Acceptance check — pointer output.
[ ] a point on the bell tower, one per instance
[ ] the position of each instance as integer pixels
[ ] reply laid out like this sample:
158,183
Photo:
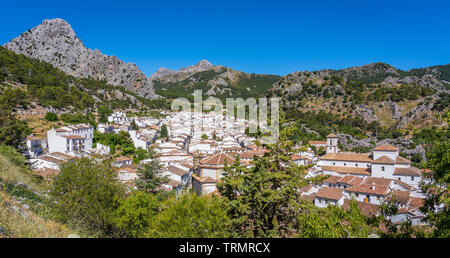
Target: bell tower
332,143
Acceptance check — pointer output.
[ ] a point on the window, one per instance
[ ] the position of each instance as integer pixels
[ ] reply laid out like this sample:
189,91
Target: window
356,164
357,195
345,164
378,198
368,165
399,178
334,163
382,168
412,178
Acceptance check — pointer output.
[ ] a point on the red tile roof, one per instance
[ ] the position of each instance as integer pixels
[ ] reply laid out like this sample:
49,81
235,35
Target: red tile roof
383,160
361,157
218,159
330,193
411,171
385,147
348,170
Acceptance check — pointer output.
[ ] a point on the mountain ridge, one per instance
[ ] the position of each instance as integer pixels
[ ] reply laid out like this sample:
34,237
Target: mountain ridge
54,41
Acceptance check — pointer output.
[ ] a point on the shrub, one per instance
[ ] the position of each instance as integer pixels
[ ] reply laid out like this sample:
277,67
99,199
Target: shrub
51,117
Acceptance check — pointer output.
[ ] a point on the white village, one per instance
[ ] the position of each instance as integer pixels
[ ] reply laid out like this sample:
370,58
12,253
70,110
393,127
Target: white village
194,157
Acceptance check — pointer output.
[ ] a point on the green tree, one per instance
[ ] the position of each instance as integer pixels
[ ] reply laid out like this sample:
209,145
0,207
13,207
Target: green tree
332,222
12,131
86,194
103,113
134,214
190,216
436,186
263,201
164,134
134,126
51,117
150,176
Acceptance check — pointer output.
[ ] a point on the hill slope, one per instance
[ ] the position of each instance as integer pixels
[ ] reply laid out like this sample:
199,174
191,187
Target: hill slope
217,81
375,92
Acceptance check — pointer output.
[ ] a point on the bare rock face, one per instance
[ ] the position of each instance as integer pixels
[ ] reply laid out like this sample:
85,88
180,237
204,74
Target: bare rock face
55,42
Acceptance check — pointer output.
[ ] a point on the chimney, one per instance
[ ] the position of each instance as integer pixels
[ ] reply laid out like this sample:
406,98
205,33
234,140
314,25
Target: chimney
373,186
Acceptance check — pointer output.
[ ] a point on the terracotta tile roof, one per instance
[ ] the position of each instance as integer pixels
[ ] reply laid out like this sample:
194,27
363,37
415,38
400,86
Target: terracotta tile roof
331,135
175,170
405,185
385,147
416,202
309,197
351,180
317,142
74,137
215,192
411,171
378,181
46,172
305,188
369,189
206,179
401,160
361,157
174,183
330,193
218,159
401,196
252,153
332,179
299,157
367,209
52,160
122,159
187,165
383,160
34,138
348,170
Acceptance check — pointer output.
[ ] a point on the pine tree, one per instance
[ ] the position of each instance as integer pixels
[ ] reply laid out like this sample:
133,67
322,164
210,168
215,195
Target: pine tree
150,176
164,134
263,201
134,126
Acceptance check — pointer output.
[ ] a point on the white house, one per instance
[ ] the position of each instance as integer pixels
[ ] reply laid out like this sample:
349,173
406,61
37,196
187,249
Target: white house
74,140
327,195
34,146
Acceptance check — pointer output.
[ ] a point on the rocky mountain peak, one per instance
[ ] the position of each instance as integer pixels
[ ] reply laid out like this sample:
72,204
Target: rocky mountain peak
203,65
55,42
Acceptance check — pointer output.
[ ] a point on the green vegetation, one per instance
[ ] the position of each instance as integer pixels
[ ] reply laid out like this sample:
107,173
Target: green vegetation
251,85
78,118
150,177
52,87
163,133
190,216
86,193
12,131
103,113
437,204
51,117
117,142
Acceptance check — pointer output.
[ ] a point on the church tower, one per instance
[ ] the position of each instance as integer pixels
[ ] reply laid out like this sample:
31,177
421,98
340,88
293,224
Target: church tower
332,143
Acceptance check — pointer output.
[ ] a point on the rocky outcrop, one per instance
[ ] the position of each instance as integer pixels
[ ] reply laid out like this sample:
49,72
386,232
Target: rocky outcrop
54,41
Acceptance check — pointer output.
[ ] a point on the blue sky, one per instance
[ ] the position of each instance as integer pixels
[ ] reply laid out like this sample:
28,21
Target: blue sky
274,37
